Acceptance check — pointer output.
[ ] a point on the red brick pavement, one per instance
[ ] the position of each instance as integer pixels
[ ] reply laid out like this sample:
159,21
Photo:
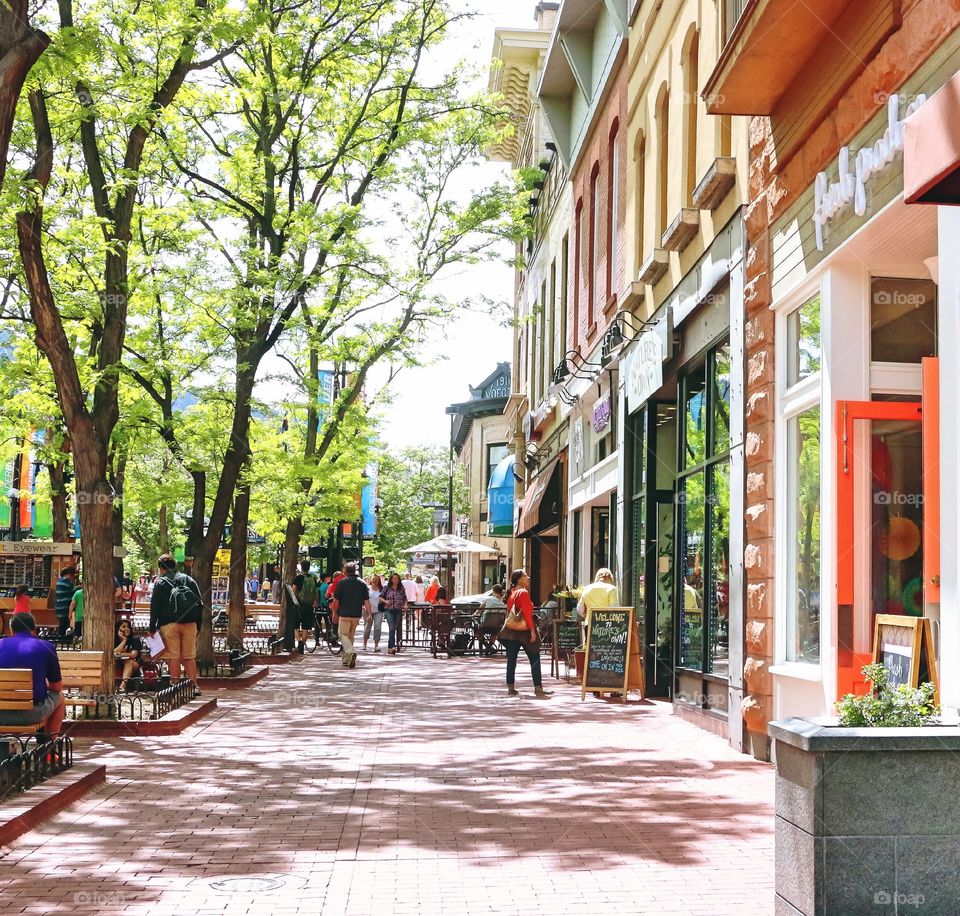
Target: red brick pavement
408,785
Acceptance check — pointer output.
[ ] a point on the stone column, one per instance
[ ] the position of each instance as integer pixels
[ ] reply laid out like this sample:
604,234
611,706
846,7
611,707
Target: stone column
758,448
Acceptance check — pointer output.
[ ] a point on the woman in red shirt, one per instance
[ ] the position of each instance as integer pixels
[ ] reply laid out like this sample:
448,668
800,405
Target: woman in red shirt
518,599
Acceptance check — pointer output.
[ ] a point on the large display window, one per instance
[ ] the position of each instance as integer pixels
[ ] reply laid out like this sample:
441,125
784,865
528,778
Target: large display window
702,555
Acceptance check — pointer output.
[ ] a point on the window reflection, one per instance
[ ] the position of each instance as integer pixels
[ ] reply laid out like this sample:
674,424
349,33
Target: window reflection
803,341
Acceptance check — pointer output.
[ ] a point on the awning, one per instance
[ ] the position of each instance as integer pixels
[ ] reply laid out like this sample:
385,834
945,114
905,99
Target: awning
537,511
931,149
500,498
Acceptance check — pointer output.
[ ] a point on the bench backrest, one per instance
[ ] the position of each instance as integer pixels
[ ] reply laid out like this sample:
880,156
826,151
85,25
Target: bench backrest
81,669
16,688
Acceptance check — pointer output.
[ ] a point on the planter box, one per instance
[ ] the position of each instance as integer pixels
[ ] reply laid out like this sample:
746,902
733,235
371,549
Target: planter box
867,819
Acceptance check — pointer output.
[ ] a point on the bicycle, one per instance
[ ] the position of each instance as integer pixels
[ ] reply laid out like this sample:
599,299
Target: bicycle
323,631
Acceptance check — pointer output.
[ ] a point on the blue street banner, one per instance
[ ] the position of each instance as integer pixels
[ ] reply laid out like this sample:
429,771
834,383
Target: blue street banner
368,502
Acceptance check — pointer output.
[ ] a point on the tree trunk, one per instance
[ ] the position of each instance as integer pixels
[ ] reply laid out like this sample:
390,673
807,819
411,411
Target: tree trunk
164,525
291,550
58,501
237,600
20,48
116,481
236,456
197,519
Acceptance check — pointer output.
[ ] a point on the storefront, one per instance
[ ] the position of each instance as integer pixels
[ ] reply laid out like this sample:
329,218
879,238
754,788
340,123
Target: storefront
541,515
594,462
683,485
859,325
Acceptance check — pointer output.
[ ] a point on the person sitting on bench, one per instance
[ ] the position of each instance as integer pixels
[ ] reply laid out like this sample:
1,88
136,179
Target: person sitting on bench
24,649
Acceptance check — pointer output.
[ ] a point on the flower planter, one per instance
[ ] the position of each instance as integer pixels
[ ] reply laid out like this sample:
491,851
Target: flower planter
867,819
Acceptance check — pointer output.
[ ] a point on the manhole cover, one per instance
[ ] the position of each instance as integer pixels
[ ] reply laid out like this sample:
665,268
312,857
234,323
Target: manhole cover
247,885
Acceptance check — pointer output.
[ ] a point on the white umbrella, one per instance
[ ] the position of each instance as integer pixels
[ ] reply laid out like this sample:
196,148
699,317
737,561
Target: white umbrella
450,543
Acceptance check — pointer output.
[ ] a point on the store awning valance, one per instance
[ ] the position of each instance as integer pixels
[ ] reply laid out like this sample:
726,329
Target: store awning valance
540,507
931,149
500,498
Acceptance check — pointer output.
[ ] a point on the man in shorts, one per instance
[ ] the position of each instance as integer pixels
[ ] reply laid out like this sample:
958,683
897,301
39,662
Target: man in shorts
176,608
24,649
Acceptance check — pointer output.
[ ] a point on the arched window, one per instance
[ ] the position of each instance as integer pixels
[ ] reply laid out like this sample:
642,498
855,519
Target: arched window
613,208
663,160
640,171
594,240
691,111
577,254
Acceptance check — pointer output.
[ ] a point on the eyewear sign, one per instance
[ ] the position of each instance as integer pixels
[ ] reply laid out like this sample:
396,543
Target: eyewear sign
602,413
643,369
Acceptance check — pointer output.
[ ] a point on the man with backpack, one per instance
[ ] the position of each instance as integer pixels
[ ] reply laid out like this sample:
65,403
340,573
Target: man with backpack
305,588
177,609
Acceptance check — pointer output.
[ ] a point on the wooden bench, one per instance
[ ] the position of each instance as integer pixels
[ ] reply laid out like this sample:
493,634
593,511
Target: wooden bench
84,671
16,694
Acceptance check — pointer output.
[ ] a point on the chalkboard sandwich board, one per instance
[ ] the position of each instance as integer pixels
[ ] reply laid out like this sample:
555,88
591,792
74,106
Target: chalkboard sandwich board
567,638
612,663
904,646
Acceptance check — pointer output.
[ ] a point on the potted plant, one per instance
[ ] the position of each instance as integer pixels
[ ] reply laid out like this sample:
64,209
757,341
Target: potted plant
867,808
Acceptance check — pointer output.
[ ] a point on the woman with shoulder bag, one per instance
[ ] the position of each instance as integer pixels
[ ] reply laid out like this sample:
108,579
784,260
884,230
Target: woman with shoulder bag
520,632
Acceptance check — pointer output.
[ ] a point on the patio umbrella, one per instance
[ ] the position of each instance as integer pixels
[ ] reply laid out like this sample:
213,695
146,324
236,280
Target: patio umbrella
449,544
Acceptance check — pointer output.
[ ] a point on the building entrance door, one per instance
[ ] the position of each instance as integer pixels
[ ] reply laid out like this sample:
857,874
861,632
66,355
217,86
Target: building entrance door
888,544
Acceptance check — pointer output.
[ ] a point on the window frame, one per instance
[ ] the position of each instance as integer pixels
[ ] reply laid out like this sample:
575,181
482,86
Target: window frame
792,401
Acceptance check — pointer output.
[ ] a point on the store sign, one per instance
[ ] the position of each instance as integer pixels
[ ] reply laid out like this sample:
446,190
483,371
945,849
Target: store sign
36,548
602,414
643,369
831,198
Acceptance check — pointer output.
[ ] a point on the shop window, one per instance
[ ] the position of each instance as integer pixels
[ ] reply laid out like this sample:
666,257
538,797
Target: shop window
803,341
903,320
803,551
695,418
495,454
800,537
703,496
576,543
600,546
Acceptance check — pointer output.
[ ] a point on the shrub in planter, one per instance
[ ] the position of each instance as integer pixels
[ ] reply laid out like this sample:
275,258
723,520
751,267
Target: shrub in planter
885,706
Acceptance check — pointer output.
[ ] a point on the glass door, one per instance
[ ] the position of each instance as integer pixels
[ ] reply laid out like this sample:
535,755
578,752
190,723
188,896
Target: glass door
887,520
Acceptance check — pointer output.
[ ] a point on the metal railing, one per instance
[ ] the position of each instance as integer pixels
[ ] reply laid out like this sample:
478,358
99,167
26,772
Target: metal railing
23,765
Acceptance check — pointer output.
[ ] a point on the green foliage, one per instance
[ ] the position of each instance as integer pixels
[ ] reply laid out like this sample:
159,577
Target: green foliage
408,481
902,706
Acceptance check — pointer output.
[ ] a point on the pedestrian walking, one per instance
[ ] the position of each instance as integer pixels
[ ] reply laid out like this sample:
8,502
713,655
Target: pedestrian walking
66,586
395,598
351,600
520,632
176,608
76,612
421,590
374,619
305,588
410,588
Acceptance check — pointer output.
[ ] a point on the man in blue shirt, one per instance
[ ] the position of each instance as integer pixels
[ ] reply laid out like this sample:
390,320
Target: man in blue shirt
25,650
66,586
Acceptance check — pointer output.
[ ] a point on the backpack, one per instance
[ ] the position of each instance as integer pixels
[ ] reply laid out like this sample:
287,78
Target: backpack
308,591
184,603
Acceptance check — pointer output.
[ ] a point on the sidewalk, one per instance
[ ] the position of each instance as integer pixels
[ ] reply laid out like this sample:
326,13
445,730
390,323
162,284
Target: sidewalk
409,785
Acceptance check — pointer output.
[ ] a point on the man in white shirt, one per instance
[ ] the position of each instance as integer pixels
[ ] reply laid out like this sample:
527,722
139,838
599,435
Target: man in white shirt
410,587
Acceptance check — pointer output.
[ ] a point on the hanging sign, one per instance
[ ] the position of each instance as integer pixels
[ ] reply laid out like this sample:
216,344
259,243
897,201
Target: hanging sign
602,414
832,197
643,369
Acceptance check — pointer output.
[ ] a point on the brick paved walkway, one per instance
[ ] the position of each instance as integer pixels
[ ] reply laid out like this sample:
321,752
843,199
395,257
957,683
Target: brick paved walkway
409,785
